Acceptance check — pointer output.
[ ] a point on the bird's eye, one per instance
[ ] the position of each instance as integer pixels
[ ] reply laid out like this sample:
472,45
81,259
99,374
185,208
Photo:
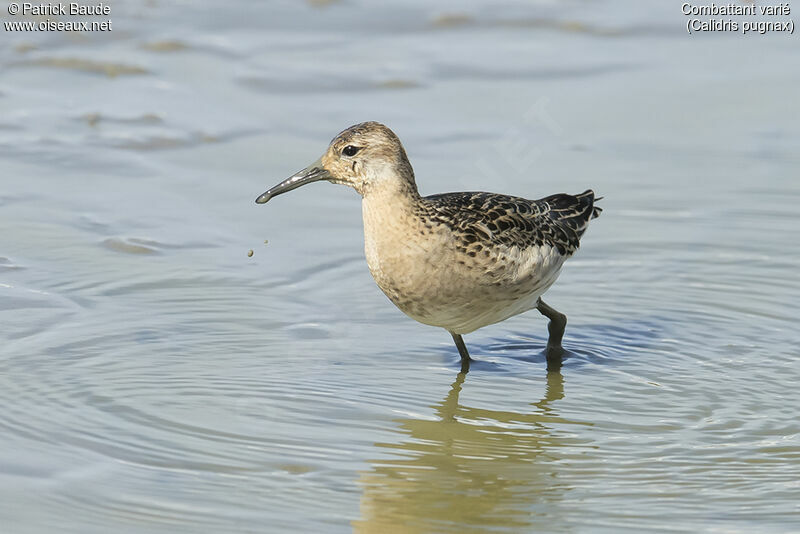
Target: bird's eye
350,150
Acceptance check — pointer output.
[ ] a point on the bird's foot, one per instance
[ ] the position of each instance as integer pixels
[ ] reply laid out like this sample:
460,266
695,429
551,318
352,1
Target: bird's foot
555,328
462,350
554,355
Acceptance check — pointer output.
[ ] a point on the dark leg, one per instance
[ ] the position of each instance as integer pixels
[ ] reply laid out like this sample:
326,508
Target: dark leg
558,322
462,350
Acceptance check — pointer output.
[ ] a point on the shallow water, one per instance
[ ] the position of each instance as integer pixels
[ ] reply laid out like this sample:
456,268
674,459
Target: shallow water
154,378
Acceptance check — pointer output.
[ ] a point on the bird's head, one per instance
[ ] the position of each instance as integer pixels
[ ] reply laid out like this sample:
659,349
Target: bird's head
365,156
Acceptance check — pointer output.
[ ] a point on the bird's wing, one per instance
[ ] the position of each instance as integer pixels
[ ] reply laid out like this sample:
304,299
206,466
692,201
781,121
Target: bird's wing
557,220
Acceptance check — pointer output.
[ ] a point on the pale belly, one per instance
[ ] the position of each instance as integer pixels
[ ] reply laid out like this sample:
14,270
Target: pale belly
460,303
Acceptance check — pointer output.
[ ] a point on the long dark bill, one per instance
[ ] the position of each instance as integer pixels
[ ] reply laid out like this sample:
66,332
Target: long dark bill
313,173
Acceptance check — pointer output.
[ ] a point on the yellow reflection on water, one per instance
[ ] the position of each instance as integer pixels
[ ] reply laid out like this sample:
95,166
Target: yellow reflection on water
469,469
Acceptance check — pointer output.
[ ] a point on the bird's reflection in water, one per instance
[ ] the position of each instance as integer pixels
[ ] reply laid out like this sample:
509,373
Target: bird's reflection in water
469,469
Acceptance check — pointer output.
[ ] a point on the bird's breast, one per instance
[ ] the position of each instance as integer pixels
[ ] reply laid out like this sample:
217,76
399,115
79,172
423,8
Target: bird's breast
402,250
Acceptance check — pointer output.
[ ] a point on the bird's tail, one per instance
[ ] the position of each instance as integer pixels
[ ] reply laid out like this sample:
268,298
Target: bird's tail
588,195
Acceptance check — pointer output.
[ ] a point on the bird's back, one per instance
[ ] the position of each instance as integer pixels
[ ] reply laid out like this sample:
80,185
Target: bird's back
476,217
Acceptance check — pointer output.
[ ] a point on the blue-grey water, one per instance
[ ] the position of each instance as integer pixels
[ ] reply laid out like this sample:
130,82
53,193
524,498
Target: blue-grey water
154,378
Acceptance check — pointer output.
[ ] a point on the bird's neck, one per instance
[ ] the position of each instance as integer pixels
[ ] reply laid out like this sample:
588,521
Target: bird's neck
391,189
390,201
390,209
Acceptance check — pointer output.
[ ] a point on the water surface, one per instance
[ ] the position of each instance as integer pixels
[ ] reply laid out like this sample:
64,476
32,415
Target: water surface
154,378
